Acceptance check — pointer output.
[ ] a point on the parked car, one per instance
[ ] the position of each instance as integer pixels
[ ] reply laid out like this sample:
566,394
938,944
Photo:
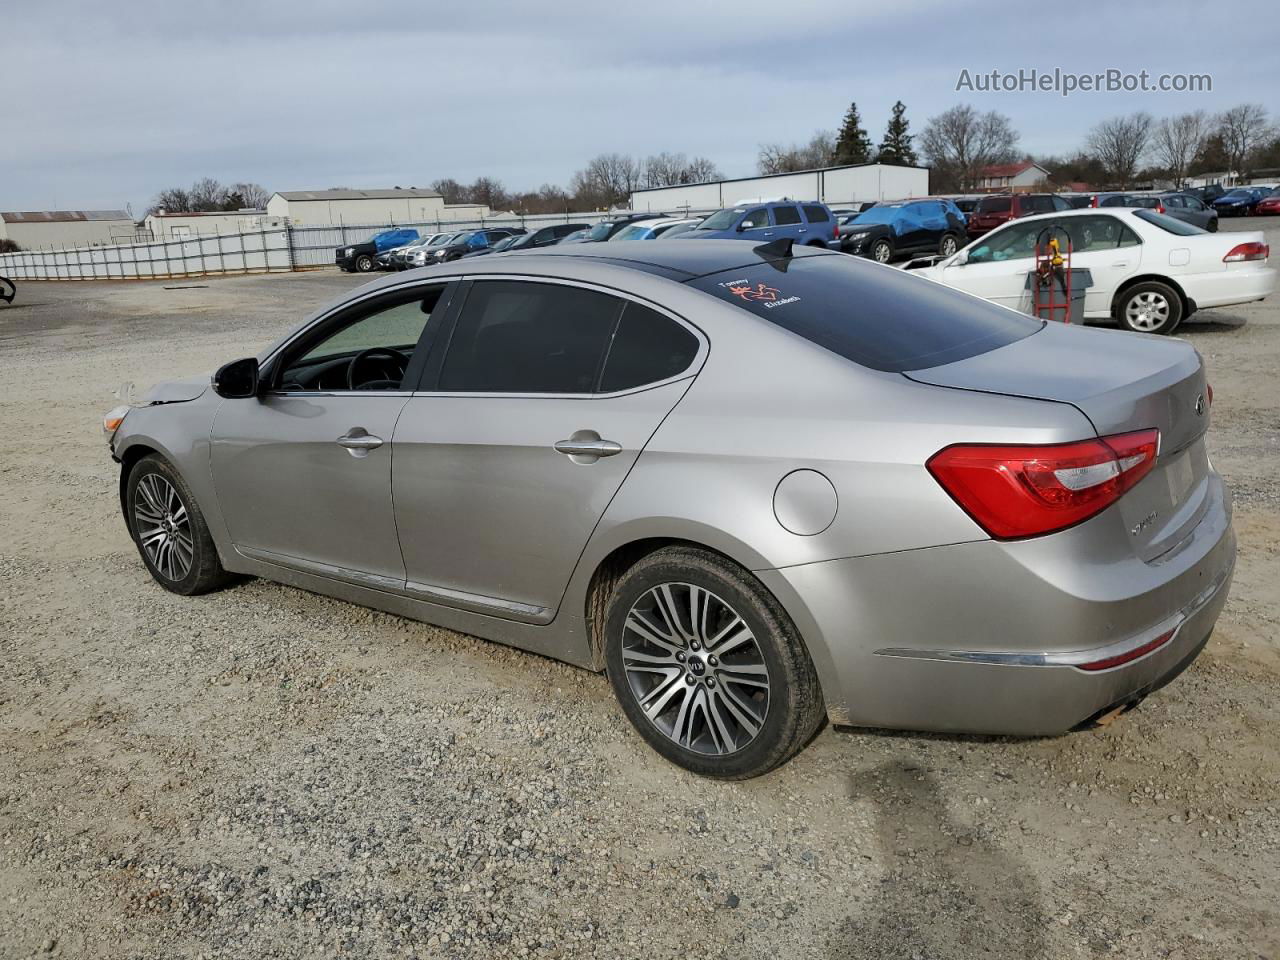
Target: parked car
925,512
1077,201
578,236
993,211
1208,194
397,258
965,203
1177,204
362,257
808,223
468,242
681,228
1149,271
422,255
652,229
504,244
889,230
1241,202
605,229
1269,206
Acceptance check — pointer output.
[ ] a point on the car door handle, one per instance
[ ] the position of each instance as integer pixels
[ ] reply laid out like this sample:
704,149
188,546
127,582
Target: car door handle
1121,263
359,442
588,448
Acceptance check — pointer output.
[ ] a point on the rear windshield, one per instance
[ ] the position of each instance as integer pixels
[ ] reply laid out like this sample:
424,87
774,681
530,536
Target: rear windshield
995,204
1169,224
880,318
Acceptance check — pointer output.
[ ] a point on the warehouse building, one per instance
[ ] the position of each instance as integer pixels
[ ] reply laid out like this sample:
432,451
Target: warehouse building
163,225
38,229
309,208
835,186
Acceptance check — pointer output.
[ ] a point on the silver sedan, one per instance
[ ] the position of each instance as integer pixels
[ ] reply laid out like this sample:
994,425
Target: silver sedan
758,487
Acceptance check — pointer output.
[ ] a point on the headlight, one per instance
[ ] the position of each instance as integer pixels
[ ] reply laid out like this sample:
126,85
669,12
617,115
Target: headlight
111,422
349,251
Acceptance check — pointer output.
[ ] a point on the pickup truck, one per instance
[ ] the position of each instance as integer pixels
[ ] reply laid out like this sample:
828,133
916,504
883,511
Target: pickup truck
362,257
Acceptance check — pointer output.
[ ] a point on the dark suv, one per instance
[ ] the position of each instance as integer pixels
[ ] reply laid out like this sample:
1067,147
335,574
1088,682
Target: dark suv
887,230
995,211
807,222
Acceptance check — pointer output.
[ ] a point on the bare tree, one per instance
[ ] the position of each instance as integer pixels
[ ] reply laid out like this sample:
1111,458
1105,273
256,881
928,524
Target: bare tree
820,151
1244,130
959,142
608,180
450,189
489,192
252,195
207,194
669,169
1120,143
1178,141
172,200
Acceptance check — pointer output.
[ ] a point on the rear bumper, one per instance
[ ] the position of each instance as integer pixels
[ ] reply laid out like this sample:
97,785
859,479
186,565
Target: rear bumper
1225,287
981,637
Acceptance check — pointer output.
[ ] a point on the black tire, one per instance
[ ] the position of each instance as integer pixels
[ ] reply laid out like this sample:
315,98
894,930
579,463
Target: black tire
364,263
1213,225
204,571
1129,308
794,709
881,251
948,245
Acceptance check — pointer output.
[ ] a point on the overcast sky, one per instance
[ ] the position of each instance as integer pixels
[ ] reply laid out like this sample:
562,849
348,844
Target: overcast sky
106,103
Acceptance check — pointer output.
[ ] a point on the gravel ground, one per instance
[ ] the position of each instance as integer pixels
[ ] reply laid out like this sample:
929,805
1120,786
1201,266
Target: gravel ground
266,773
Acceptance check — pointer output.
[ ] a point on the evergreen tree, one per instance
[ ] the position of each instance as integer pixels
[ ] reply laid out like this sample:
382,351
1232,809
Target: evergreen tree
853,145
896,145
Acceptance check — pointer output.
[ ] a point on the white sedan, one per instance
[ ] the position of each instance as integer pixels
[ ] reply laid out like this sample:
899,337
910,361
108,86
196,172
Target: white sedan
1149,271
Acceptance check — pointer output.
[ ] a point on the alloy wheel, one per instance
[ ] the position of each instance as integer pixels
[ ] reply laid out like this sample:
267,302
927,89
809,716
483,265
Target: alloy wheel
948,246
881,252
163,526
696,669
1147,311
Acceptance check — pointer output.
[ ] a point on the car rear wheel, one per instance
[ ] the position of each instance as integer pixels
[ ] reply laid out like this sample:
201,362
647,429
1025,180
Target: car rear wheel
948,246
169,529
1150,307
708,667
882,251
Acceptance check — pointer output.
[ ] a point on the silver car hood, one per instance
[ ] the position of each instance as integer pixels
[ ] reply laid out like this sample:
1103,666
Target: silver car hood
173,391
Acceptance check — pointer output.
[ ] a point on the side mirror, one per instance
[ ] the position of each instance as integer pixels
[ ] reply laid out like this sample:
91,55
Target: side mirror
959,260
744,225
237,380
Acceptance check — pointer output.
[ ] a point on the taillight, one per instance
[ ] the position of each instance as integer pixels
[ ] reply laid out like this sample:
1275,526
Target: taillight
1208,391
1093,202
835,231
1159,207
1021,491
1247,251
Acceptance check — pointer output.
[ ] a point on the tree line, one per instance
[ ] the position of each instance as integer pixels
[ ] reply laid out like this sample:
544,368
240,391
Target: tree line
956,144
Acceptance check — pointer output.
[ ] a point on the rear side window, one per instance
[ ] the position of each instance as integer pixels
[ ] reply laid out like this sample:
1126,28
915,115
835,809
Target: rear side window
995,205
519,337
816,214
785,216
1168,224
883,319
1036,205
647,347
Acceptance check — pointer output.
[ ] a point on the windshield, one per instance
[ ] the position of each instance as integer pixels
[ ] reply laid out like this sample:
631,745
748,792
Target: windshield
884,213
637,231
723,219
600,231
1168,224
441,239
1239,195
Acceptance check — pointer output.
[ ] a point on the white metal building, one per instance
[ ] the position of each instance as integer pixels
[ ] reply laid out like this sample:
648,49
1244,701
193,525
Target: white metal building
163,225
399,205
35,229
832,185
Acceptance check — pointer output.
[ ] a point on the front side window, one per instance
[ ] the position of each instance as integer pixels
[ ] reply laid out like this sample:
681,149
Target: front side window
516,336
785,216
1014,242
754,220
368,351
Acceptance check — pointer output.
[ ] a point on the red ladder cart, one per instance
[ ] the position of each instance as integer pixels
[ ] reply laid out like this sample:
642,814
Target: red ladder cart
1051,286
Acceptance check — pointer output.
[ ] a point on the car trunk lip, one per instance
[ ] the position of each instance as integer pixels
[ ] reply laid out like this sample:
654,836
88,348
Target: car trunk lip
1121,383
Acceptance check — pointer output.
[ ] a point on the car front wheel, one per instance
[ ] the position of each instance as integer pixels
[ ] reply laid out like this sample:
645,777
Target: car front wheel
364,263
1150,307
708,667
169,530
882,251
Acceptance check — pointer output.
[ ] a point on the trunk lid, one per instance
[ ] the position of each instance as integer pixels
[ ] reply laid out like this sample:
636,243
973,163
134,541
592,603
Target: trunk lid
1122,383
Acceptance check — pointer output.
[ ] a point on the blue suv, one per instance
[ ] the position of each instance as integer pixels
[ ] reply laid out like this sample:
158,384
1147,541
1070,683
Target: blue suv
811,224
